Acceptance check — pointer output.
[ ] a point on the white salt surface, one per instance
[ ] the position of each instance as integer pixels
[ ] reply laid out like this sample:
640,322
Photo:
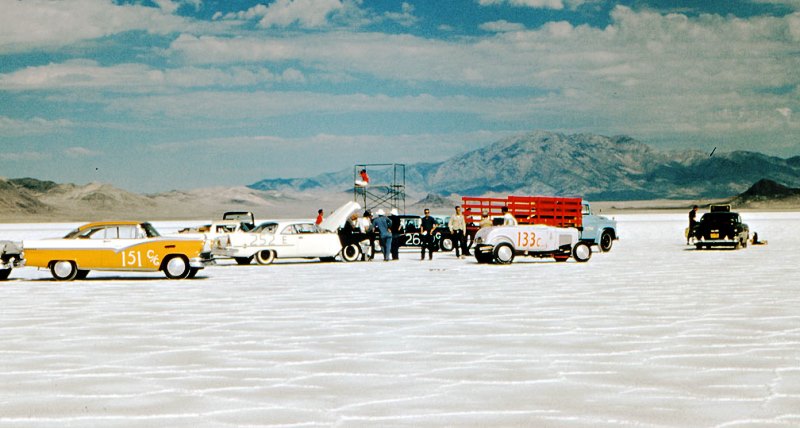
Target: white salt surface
653,333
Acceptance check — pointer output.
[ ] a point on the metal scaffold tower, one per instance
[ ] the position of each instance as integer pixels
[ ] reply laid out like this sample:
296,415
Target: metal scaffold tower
385,187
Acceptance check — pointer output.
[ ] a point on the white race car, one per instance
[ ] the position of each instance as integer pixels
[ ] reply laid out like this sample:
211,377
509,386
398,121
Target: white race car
286,239
500,244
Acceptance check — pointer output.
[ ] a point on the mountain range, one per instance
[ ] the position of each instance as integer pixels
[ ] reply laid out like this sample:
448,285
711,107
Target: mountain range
592,166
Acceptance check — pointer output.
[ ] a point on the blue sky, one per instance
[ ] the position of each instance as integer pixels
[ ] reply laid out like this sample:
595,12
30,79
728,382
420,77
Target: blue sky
180,94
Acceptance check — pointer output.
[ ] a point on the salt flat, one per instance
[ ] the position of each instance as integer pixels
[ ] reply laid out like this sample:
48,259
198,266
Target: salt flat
653,333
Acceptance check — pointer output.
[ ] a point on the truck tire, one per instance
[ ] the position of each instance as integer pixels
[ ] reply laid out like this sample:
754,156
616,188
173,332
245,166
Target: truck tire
581,252
503,253
606,241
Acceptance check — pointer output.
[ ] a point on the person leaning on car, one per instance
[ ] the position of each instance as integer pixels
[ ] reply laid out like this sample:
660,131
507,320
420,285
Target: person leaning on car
426,228
458,230
383,225
692,224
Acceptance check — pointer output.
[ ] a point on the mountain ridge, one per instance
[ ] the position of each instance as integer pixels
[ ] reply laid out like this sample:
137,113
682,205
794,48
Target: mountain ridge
592,166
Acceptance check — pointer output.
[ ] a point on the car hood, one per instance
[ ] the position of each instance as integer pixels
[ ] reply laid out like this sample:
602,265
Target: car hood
337,218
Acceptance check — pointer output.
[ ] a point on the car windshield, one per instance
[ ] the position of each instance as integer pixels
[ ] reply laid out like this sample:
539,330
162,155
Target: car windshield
720,218
266,228
150,230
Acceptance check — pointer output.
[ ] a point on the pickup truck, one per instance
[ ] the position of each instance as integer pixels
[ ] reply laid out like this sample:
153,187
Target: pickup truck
545,210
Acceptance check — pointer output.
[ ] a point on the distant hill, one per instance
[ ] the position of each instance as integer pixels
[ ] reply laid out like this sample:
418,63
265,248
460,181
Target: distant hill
592,166
767,193
29,199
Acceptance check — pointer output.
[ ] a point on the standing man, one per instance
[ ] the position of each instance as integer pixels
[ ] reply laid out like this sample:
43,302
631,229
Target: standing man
486,221
365,224
383,227
458,230
320,213
426,228
394,217
508,219
692,224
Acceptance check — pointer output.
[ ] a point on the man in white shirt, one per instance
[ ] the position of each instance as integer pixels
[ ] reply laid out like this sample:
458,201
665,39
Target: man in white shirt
508,219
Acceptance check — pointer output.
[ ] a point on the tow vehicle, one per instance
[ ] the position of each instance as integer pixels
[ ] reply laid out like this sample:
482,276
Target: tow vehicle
501,244
545,210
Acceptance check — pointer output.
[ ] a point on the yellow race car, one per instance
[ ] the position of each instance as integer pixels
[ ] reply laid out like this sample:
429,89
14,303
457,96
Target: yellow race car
117,246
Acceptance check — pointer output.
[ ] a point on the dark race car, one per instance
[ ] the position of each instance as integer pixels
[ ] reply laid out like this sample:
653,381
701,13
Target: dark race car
721,228
410,236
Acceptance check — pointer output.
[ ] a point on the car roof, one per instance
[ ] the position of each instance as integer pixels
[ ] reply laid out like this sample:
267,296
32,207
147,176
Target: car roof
110,223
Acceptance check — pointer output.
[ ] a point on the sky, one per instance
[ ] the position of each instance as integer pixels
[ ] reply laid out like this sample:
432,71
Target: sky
155,95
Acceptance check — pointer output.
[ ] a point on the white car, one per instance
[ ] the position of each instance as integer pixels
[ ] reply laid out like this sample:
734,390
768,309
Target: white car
286,239
500,244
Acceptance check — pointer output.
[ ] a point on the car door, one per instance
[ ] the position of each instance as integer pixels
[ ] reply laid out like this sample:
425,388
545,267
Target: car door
306,240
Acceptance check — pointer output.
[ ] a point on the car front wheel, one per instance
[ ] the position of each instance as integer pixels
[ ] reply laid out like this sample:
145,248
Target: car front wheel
504,253
177,267
447,244
582,252
64,270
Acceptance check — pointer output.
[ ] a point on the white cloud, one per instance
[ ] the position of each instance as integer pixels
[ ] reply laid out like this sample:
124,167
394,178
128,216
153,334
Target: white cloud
501,26
538,4
646,71
80,152
24,156
305,13
85,74
10,127
50,24
405,17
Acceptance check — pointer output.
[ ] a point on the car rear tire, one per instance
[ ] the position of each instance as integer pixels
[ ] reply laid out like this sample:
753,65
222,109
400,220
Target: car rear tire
265,257
606,241
503,253
582,252
243,260
4,274
351,253
63,270
177,267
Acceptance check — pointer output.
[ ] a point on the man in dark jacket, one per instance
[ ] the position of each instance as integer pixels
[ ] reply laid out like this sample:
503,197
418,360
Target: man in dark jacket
382,226
427,226
394,217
